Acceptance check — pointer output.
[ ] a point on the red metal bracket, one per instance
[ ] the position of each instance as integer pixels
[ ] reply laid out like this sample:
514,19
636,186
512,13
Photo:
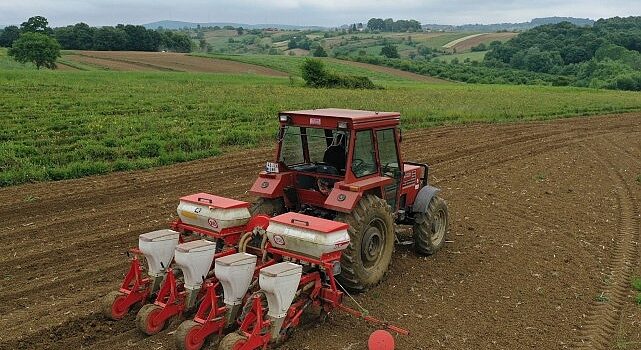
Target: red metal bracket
134,287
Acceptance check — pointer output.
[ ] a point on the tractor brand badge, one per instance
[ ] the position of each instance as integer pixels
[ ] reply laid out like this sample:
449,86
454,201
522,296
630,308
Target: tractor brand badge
278,239
314,121
197,210
341,197
341,244
265,184
213,223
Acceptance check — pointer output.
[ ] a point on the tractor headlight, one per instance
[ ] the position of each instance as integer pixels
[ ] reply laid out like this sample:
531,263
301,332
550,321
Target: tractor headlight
283,118
342,125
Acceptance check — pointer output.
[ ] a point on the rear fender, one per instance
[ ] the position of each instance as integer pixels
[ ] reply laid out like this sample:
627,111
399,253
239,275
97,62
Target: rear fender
270,185
342,200
423,198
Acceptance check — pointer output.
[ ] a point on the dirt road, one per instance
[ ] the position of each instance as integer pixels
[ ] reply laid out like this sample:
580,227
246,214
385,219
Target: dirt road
543,242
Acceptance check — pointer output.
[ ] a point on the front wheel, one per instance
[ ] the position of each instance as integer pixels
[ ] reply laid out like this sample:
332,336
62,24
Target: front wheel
430,227
267,206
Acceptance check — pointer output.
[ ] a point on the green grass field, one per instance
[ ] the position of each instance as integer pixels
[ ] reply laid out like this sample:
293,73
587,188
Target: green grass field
59,125
473,56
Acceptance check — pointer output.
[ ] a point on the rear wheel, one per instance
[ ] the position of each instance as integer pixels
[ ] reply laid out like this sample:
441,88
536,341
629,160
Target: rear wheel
430,227
112,306
371,231
232,341
147,321
267,206
185,336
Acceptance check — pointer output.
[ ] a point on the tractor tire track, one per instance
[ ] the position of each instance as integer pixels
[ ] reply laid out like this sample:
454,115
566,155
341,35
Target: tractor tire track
604,316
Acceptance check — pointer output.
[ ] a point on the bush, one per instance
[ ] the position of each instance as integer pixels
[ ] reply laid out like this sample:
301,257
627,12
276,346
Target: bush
320,52
315,75
390,51
479,47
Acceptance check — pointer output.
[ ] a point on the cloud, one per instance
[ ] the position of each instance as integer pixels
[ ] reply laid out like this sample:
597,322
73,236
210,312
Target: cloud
309,12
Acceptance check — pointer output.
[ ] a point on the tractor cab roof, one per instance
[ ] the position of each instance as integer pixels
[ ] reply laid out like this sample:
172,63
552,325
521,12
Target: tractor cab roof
331,117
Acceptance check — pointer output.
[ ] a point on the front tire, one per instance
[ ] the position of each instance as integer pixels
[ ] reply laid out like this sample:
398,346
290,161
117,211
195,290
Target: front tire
430,227
267,206
371,231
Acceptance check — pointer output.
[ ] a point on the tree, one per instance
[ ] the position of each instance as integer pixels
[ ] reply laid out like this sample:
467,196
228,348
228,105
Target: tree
314,73
240,30
109,39
424,51
38,48
77,37
390,51
9,35
37,24
292,44
319,52
376,24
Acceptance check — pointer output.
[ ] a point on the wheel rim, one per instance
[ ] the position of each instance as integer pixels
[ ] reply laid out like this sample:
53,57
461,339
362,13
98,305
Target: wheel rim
438,226
373,243
154,325
191,339
118,310
239,344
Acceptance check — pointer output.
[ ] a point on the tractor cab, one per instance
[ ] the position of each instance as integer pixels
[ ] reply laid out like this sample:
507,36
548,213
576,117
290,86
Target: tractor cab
330,158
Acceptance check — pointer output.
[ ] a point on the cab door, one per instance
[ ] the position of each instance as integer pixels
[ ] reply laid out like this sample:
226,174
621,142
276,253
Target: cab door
389,163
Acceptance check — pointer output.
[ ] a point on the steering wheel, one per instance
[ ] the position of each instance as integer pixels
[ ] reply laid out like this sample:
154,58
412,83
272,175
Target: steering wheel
357,165
391,168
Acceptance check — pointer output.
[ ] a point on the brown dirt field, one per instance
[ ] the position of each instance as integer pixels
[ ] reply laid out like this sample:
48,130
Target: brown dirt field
395,72
109,64
544,232
168,61
467,45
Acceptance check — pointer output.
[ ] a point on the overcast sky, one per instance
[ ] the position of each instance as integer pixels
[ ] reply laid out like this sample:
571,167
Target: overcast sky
307,12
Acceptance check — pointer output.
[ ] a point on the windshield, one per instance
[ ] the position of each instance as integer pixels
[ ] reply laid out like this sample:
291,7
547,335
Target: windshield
324,146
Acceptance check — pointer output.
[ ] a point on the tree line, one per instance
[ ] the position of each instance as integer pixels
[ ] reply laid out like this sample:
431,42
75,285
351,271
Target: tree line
81,36
605,55
389,25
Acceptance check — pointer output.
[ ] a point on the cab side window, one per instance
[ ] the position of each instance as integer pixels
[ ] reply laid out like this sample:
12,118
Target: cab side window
387,153
364,159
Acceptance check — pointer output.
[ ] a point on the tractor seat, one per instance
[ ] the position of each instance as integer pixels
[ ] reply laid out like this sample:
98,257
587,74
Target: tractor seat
335,156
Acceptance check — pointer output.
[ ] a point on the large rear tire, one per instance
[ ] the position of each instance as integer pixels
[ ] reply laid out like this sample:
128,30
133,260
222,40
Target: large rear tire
430,227
371,231
232,341
267,206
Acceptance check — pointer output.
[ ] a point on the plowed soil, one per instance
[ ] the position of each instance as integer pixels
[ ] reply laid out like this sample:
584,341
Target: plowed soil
166,61
467,44
542,244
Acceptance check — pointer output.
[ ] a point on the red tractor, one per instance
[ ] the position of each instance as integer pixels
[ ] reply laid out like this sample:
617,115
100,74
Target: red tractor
346,165
324,222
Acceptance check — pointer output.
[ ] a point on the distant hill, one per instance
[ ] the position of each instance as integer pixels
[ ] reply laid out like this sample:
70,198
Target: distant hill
509,26
180,25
